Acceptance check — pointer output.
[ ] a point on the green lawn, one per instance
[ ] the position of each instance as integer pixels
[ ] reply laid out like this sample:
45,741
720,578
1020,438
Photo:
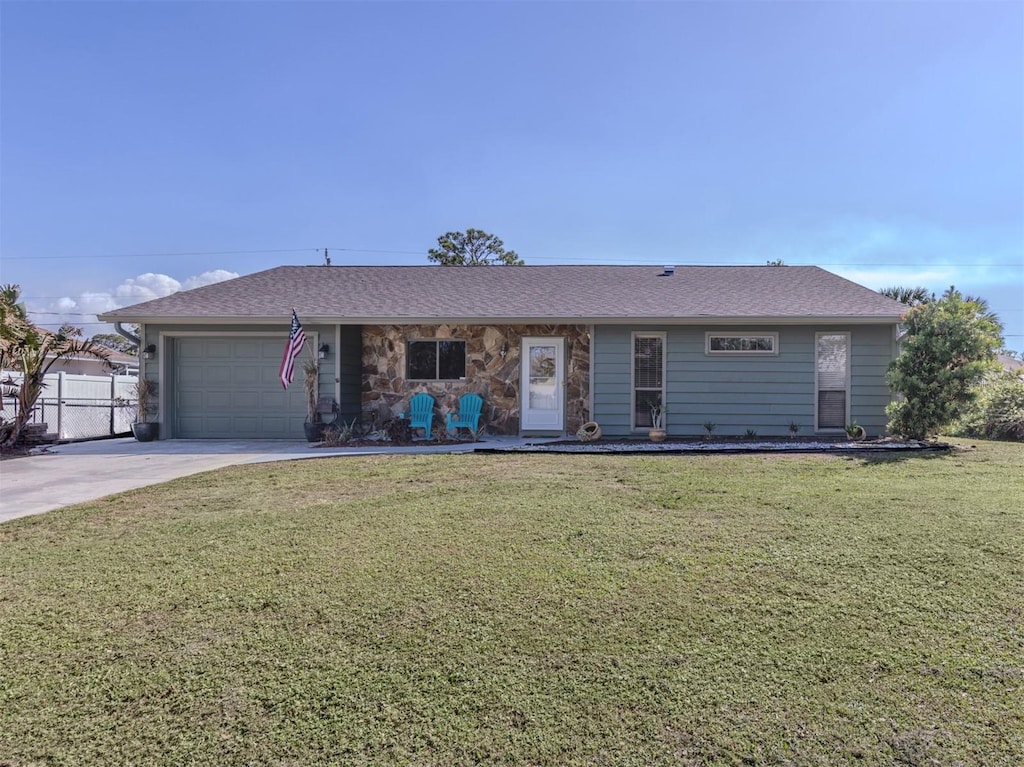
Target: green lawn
526,610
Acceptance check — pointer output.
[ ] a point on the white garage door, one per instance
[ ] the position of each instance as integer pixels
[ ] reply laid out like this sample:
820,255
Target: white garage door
228,388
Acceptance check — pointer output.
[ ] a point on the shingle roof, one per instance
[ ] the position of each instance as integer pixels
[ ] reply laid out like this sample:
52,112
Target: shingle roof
399,294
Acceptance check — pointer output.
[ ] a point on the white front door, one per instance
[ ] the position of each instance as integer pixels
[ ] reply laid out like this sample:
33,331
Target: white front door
543,385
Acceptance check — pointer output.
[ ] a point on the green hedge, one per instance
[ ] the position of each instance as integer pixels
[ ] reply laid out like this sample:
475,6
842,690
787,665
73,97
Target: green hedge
998,411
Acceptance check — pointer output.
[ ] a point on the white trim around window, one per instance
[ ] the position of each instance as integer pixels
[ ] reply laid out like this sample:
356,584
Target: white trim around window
832,379
755,343
456,365
652,386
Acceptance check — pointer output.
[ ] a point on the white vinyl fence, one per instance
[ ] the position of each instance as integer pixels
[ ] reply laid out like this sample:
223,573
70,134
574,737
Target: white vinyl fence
77,406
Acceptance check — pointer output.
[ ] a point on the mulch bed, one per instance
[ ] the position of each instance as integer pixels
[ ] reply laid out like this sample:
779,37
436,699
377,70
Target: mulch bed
378,443
19,451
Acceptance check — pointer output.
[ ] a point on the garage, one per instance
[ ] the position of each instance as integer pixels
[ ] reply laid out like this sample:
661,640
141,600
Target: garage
227,387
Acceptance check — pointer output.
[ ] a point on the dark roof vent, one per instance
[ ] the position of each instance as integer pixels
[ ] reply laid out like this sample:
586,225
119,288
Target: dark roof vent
669,271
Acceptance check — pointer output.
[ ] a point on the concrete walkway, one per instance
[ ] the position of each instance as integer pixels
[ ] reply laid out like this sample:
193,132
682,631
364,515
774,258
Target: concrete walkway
84,471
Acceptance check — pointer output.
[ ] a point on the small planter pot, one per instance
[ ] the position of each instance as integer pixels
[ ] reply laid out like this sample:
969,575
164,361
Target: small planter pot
145,432
314,431
657,435
589,432
857,434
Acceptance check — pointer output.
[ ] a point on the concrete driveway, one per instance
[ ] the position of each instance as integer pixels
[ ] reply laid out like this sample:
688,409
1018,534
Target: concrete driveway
84,471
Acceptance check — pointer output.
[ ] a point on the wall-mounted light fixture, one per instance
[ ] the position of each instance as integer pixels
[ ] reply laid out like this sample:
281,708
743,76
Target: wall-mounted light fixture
323,351
503,350
149,352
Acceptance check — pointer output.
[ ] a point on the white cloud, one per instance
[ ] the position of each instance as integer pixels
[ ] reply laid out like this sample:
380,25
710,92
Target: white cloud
880,277
146,287
208,278
66,305
82,311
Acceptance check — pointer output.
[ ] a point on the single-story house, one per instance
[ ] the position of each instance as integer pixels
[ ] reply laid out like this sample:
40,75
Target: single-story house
1010,364
117,363
549,348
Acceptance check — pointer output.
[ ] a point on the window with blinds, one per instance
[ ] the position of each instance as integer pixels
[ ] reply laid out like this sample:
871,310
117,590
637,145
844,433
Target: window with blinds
648,376
833,375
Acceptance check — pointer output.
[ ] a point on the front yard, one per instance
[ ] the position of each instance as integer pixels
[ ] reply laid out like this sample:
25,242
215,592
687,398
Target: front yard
526,610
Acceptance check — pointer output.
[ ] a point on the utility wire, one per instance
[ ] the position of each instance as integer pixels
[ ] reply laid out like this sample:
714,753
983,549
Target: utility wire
369,250
555,259
161,255
213,253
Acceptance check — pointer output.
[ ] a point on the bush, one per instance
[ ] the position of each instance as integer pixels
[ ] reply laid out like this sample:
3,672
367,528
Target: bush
948,350
998,411
399,431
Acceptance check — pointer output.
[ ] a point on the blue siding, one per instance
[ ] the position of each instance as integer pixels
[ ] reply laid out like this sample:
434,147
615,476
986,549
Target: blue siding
873,350
741,392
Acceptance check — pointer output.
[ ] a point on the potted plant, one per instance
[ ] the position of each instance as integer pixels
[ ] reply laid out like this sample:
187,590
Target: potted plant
855,431
311,388
142,429
657,432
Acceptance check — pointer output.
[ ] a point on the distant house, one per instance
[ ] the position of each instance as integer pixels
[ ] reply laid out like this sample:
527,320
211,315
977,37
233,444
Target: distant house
118,363
1010,364
548,347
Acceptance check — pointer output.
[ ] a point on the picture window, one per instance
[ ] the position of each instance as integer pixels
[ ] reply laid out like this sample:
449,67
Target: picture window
437,360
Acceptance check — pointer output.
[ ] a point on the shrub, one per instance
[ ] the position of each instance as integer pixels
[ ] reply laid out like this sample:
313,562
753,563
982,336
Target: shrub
998,411
949,348
339,433
399,431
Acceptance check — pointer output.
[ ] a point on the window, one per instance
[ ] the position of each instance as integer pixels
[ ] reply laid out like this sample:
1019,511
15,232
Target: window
648,376
438,360
832,369
741,343
542,377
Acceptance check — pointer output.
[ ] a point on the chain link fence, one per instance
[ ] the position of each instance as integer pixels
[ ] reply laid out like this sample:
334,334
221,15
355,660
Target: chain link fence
77,407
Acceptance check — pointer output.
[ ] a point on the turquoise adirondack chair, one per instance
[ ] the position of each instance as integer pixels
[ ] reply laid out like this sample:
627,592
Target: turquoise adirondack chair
468,416
421,413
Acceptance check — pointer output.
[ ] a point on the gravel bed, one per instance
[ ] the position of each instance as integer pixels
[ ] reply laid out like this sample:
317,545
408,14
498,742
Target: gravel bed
720,446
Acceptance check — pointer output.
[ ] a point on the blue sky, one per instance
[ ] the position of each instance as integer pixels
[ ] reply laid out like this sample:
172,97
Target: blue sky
883,141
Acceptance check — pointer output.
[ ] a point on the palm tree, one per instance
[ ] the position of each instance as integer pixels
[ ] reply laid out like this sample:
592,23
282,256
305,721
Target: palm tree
981,309
33,351
908,296
13,323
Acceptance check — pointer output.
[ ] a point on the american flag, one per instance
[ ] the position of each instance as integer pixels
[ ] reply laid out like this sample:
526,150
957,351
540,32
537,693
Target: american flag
296,340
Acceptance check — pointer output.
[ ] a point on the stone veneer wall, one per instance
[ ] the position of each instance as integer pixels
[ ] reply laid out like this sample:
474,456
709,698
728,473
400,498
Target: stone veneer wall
496,379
